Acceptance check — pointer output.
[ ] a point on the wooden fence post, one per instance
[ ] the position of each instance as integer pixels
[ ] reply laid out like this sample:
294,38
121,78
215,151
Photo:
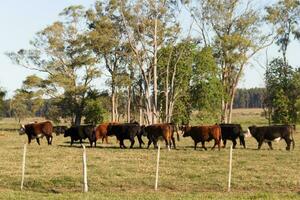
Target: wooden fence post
85,185
230,167
23,165
157,167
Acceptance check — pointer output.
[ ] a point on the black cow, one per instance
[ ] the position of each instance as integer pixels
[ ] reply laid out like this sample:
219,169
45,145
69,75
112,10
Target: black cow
59,129
126,131
81,133
232,132
271,133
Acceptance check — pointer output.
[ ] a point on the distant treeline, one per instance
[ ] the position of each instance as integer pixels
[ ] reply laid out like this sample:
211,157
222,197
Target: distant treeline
249,98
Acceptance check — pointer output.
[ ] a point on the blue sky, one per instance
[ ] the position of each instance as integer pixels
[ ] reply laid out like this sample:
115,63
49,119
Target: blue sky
20,20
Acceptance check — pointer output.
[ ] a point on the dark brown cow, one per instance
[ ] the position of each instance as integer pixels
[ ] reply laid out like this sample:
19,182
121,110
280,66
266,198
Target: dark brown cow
38,130
203,134
166,131
101,131
273,133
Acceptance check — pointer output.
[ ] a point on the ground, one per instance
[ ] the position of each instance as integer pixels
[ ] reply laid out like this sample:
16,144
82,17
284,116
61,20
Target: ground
55,172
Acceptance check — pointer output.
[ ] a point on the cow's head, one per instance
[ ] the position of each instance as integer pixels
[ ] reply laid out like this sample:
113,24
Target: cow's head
22,129
143,131
251,131
67,132
185,130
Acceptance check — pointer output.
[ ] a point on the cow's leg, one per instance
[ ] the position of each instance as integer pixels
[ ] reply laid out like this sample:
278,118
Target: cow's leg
80,141
149,143
173,141
203,145
195,147
270,145
288,143
234,143
106,139
155,143
214,145
72,141
48,139
140,140
38,140
122,144
91,142
224,143
51,138
132,142
259,144
29,139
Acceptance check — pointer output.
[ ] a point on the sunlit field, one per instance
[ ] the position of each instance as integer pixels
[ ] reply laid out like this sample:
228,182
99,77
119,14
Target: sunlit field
55,172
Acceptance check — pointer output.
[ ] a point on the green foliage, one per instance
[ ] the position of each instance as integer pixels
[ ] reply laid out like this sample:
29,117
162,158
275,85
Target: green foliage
94,112
61,52
25,104
206,88
282,91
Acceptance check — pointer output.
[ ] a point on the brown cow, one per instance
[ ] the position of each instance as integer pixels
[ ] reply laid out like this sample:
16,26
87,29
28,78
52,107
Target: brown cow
166,131
38,130
101,131
204,133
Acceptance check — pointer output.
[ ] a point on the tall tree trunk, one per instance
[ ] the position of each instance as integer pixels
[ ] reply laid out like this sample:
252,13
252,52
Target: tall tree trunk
78,117
167,96
128,104
155,107
113,98
231,104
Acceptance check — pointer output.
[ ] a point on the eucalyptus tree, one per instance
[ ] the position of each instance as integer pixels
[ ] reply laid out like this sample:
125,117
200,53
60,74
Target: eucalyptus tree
234,29
149,25
174,77
206,87
107,40
60,52
284,16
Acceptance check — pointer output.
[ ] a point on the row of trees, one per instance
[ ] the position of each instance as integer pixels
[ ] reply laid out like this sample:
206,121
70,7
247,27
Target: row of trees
157,72
249,98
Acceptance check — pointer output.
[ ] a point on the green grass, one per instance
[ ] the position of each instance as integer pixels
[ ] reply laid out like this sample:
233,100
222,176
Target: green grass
55,172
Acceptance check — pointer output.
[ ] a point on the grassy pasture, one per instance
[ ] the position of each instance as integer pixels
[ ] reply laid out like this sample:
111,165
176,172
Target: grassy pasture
55,172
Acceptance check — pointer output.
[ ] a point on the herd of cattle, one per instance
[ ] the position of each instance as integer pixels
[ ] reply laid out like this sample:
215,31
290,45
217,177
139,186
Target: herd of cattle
167,131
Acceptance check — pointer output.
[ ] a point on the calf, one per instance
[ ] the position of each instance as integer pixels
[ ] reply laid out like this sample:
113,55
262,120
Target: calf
232,132
166,131
38,130
81,133
203,134
101,131
271,133
126,131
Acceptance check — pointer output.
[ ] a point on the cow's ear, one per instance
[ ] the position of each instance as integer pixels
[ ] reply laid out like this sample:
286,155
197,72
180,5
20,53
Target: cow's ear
23,126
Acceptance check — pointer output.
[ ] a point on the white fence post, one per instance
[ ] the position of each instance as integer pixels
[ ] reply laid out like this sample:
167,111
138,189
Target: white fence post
230,167
157,167
23,165
85,185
